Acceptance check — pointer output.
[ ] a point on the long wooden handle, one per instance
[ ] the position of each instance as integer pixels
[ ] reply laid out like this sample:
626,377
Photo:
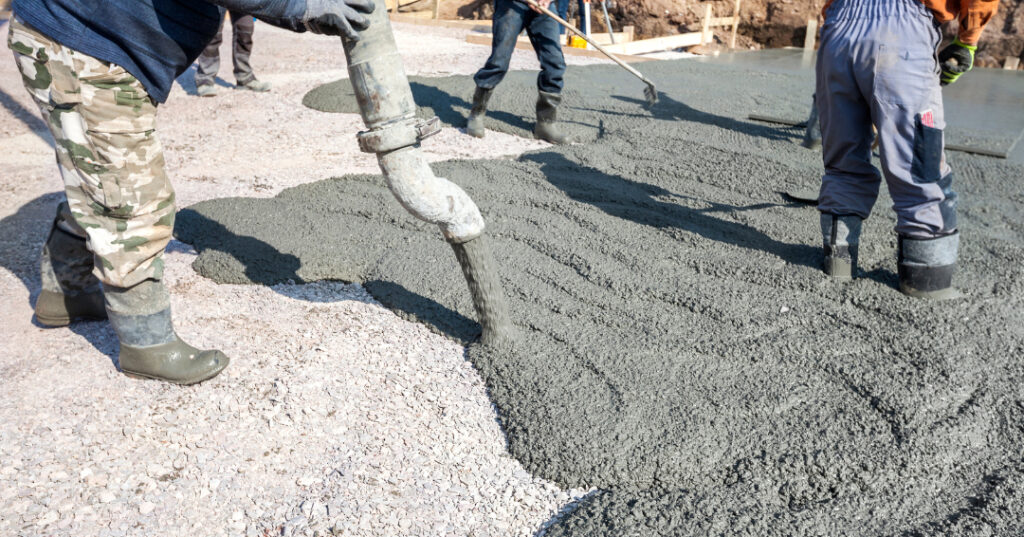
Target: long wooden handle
571,28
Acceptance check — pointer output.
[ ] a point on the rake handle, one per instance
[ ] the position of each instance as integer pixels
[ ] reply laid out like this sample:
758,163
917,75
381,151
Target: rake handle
573,29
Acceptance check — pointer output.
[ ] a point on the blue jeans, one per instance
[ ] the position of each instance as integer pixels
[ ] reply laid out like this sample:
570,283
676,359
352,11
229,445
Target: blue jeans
877,65
510,18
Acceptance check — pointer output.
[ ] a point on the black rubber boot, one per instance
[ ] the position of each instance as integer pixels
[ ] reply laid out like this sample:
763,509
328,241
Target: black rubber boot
141,316
926,266
812,133
475,123
841,238
69,291
547,119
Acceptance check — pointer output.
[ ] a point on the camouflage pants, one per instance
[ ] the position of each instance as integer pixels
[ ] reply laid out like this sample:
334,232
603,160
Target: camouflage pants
103,123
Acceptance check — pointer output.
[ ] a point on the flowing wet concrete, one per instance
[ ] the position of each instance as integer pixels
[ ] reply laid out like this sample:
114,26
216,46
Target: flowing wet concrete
679,348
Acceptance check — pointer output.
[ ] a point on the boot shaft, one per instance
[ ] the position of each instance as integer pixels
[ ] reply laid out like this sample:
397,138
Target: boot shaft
141,315
841,241
926,266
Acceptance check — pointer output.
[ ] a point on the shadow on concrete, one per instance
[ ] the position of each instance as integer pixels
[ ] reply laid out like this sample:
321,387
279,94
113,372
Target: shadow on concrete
26,116
424,310
263,263
454,110
669,109
21,239
638,202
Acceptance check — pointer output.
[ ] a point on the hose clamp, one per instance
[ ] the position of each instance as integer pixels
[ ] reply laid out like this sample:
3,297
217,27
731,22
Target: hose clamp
397,135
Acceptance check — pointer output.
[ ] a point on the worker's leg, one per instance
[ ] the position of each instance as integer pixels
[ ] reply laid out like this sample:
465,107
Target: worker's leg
208,64
103,123
543,33
507,24
907,109
509,18
850,184
242,28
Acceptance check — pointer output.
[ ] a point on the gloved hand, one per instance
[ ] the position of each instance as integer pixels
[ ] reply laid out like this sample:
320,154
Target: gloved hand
331,17
956,59
337,17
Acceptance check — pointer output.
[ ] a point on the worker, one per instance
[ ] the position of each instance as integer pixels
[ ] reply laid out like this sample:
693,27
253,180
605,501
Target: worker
208,64
511,17
877,64
98,70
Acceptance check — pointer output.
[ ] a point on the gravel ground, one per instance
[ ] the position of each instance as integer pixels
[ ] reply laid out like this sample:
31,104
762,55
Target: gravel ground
335,417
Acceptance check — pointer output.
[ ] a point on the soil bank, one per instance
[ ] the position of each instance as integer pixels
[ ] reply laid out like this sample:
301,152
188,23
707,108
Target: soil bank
680,348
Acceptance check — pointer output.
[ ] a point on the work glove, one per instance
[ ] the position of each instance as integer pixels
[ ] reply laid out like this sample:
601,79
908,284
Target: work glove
956,59
337,17
330,17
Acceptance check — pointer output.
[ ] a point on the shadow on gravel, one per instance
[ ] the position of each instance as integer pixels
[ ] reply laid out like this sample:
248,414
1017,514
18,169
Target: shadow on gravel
28,117
425,310
187,81
640,203
21,240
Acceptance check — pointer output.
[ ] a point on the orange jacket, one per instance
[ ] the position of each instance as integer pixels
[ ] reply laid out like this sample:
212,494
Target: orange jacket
973,15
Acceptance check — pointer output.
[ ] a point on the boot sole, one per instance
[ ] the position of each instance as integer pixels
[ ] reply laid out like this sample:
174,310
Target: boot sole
60,322
186,382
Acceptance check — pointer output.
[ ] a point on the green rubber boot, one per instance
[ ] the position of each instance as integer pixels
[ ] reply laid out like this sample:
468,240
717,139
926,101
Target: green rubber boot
547,119
69,291
475,123
141,316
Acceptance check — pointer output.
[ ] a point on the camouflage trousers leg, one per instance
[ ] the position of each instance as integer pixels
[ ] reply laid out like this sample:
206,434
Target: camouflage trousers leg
103,122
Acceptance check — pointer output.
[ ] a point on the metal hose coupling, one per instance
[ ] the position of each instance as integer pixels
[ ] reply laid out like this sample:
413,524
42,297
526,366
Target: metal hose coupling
394,134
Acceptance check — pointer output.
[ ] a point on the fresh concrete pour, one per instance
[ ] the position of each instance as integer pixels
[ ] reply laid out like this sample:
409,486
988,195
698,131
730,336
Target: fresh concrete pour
679,349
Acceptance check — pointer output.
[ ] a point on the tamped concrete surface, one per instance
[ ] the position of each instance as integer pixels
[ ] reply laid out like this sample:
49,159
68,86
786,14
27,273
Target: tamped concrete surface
679,347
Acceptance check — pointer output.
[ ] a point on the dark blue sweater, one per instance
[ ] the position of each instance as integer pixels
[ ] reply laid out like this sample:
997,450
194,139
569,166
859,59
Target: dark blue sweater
154,40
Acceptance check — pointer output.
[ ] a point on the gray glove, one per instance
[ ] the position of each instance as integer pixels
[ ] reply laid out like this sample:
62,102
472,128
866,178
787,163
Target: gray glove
337,17
331,17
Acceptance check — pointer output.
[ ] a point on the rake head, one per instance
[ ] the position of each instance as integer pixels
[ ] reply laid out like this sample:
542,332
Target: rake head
650,93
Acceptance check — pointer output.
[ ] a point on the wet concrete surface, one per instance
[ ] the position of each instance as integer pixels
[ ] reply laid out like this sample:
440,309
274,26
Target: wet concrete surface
679,347
984,110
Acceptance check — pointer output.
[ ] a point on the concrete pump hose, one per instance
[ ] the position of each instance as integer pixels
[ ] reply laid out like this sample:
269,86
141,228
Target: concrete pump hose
386,104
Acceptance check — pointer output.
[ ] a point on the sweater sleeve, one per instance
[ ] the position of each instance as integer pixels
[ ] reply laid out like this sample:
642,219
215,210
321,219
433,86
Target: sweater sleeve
287,14
973,16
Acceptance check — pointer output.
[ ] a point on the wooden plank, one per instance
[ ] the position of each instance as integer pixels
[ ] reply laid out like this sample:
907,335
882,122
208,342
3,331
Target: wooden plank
812,34
479,26
479,39
722,21
705,31
603,39
1011,64
629,32
657,44
735,24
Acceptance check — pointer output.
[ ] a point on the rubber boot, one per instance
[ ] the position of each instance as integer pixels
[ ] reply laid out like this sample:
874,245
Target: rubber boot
69,289
141,316
475,123
926,266
812,133
547,119
841,238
